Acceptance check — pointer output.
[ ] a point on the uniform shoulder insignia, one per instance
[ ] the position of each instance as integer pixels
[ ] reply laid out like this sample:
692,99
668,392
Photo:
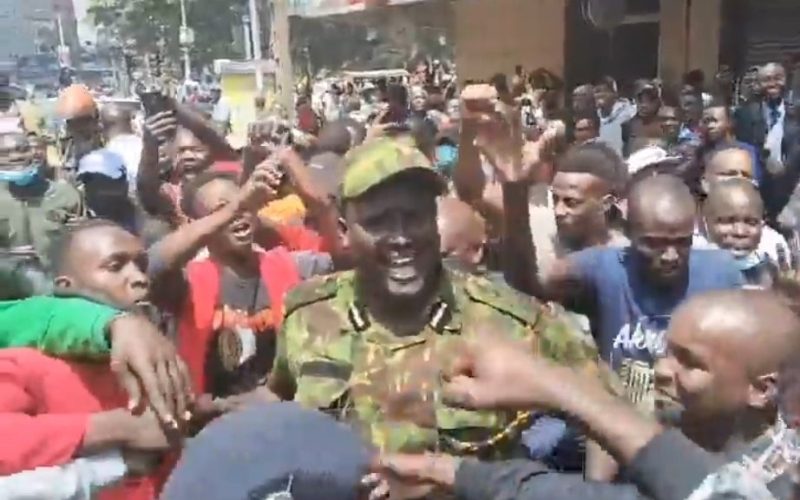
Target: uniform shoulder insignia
503,298
310,291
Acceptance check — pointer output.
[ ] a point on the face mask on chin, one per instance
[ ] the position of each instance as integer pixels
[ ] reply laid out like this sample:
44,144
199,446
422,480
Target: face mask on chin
21,177
748,261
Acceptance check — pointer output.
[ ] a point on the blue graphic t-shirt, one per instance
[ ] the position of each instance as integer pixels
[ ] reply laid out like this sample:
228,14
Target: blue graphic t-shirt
631,316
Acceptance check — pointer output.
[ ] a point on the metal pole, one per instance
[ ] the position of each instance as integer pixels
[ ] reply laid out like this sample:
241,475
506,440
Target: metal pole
187,62
60,31
283,55
255,34
248,44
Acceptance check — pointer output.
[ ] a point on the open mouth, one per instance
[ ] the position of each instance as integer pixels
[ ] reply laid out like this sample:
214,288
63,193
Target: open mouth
242,230
402,268
740,252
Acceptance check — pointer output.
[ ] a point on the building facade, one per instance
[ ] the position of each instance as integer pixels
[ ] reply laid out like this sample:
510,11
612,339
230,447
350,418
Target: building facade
31,27
656,38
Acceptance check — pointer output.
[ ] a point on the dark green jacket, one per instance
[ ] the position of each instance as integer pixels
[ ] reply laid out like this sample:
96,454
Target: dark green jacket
34,215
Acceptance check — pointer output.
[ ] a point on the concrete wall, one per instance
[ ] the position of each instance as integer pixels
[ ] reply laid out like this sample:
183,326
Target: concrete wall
690,37
496,35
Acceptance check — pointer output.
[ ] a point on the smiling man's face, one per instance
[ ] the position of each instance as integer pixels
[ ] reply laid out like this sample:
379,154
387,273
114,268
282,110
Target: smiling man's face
394,237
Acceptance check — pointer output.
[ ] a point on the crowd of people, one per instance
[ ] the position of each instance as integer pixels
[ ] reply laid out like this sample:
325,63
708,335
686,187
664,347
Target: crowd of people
414,290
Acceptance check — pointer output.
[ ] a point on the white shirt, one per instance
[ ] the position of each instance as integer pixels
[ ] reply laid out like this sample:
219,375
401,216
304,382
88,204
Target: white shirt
768,246
774,140
129,148
611,125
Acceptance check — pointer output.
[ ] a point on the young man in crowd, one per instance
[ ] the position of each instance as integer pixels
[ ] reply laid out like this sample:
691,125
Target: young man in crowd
229,304
691,103
613,112
645,127
733,216
718,382
586,128
192,145
717,133
76,414
630,293
669,115
32,208
733,162
589,182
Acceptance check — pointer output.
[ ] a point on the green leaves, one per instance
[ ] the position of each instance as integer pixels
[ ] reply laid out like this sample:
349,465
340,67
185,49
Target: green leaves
149,23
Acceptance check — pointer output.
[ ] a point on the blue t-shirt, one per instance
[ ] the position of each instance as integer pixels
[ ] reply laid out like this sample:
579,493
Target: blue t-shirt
631,316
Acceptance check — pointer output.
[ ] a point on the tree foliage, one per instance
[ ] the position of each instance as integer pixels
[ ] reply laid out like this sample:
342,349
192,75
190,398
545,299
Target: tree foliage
150,22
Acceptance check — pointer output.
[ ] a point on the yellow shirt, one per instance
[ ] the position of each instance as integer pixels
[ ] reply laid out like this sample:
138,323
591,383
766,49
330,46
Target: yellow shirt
284,210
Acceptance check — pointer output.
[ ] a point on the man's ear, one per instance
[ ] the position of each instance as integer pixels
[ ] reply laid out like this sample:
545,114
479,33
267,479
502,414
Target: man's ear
609,201
64,282
704,185
763,392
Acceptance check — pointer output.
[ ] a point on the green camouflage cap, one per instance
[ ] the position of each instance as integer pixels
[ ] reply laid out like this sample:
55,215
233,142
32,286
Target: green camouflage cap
377,161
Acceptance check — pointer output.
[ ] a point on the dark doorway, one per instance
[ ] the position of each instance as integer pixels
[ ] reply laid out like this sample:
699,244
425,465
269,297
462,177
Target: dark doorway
626,53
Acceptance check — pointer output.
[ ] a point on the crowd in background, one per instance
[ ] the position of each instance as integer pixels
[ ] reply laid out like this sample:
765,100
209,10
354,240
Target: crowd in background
503,291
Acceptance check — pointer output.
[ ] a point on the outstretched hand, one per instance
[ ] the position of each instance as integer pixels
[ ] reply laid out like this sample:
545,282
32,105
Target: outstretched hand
149,369
493,372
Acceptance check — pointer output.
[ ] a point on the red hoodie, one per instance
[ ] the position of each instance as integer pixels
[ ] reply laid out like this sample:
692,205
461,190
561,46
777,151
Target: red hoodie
45,404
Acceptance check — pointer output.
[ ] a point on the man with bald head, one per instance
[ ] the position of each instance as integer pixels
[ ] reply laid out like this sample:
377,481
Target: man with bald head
463,234
728,163
718,379
117,125
731,361
630,293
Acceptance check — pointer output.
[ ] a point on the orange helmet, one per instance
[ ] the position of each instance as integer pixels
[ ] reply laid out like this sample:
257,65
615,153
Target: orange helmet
76,102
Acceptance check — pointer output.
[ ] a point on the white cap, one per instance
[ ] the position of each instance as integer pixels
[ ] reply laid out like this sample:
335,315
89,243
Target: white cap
645,157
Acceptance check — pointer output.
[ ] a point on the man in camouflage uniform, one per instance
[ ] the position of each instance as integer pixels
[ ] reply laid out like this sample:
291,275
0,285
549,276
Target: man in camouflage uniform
369,345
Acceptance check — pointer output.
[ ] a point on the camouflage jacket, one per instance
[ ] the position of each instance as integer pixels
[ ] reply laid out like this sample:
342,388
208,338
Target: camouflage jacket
765,470
387,386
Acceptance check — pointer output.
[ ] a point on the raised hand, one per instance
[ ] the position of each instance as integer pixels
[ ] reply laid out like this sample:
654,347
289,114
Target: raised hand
162,126
263,185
